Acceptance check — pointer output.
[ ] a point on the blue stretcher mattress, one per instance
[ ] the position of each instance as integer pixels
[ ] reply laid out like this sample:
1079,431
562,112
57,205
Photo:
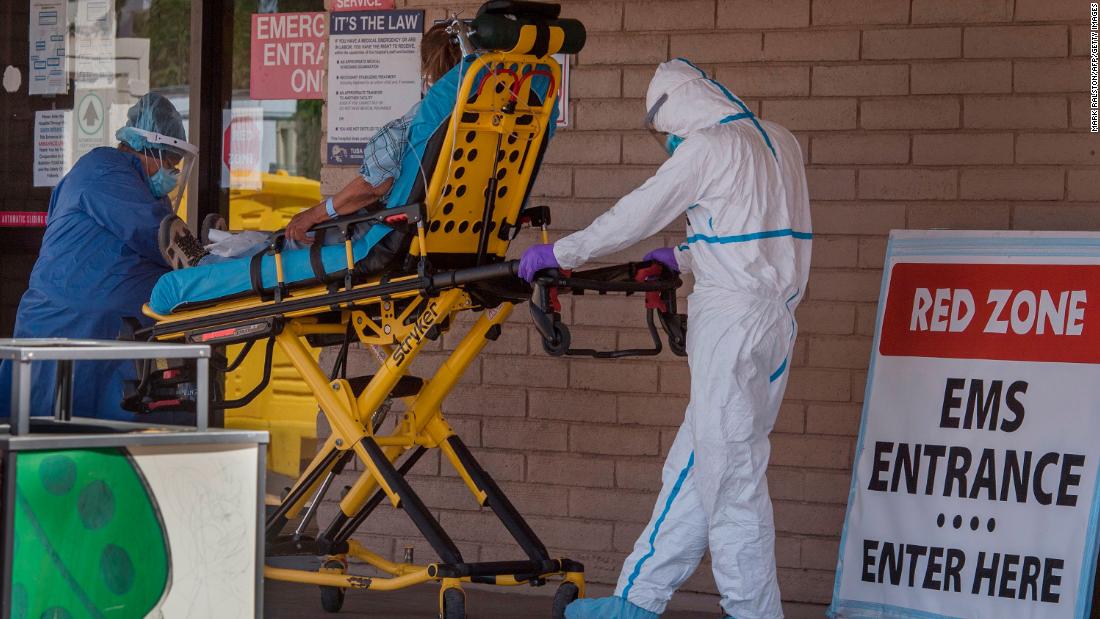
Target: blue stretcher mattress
233,277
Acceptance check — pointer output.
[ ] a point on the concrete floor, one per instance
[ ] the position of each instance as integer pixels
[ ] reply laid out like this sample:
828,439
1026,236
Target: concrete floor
292,601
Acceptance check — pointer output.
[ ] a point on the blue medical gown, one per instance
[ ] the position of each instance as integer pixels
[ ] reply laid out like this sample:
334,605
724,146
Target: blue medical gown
99,261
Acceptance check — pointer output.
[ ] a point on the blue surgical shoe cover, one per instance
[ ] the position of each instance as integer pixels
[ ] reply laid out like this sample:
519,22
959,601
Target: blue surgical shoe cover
607,608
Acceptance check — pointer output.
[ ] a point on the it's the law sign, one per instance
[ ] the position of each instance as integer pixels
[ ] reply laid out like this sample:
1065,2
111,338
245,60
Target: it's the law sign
974,492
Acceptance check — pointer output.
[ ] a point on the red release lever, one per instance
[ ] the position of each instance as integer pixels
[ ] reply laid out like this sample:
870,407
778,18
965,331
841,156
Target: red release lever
653,298
399,218
555,304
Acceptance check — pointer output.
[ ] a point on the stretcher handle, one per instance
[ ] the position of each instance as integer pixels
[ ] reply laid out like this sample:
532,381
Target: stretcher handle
450,279
657,282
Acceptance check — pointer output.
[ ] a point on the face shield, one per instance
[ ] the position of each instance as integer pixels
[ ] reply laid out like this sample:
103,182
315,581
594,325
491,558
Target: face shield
175,157
651,116
668,141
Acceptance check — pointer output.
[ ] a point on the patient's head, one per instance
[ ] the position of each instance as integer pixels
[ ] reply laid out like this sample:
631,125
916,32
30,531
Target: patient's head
438,53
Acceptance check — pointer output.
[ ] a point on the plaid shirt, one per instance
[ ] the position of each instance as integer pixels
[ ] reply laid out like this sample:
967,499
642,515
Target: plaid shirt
383,152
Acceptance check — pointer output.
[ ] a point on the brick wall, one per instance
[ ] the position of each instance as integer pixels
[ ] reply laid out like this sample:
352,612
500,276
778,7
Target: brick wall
911,114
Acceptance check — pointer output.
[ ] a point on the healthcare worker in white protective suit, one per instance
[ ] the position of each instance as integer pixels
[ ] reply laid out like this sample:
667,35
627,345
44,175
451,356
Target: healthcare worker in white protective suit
741,182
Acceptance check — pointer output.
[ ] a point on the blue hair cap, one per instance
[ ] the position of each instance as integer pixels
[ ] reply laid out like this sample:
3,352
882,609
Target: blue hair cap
153,113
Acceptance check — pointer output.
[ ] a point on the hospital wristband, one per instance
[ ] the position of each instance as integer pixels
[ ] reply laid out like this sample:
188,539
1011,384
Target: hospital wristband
330,209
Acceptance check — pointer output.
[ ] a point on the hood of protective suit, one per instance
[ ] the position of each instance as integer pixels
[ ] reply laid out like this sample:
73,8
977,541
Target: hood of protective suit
694,102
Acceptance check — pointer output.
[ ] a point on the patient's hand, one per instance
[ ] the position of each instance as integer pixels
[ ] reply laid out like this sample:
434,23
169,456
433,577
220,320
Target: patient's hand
301,223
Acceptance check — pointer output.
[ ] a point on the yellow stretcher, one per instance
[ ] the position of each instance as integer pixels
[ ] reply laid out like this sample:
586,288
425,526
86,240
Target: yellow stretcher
459,235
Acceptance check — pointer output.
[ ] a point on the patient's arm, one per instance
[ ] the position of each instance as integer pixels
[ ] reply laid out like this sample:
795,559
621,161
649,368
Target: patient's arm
355,195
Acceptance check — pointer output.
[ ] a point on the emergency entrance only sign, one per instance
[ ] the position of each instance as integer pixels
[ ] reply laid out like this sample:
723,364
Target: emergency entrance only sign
974,491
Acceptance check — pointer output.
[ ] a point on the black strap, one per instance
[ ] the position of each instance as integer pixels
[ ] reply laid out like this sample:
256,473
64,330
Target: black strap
315,261
255,272
542,40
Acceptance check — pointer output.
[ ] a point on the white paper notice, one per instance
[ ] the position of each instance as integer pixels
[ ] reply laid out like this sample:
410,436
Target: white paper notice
47,35
242,148
563,92
373,76
52,146
95,44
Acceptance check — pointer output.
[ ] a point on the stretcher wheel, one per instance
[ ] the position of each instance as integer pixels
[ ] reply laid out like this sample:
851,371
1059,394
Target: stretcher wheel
567,593
454,604
332,598
561,335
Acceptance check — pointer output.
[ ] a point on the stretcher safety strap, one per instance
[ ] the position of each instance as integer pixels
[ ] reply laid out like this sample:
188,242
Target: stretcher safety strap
315,261
255,272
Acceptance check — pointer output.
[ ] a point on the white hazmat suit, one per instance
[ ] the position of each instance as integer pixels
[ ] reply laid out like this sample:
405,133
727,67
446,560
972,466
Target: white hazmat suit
741,182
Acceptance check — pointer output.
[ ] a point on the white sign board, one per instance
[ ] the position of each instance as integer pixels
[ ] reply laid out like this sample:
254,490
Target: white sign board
48,37
242,148
974,492
95,44
373,76
563,91
53,146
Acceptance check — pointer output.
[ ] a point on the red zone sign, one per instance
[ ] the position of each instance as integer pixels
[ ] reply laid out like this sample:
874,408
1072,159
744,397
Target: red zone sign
1008,312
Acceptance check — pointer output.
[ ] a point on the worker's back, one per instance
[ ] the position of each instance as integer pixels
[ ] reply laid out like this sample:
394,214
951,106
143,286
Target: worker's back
751,231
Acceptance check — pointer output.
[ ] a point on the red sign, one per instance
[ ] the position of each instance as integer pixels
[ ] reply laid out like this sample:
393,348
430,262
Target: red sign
288,55
362,5
1010,312
22,219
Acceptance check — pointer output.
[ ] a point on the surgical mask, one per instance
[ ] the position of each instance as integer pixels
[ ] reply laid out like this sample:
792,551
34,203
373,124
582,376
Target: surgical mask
672,142
163,182
175,157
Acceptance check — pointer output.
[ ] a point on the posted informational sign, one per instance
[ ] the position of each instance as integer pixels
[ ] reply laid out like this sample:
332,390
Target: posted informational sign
288,55
242,148
48,37
53,146
90,118
373,76
563,91
95,44
974,492
22,219
362,5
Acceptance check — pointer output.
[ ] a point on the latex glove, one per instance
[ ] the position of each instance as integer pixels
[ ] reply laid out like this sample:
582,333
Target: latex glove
535,259
666,256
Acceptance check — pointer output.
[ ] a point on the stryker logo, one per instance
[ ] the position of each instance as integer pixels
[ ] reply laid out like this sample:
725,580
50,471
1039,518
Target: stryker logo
420,328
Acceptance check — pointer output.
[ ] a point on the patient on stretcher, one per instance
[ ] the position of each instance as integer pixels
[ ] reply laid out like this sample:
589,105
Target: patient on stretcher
383,158
396,174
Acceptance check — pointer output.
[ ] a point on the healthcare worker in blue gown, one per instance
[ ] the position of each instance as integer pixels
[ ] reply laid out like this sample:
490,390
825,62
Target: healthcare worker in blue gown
100,255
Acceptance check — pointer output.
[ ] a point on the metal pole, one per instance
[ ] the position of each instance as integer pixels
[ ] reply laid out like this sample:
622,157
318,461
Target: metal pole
21,397
63,393
202,393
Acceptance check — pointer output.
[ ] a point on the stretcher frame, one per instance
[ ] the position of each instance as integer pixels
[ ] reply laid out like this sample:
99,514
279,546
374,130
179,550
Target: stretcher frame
400,314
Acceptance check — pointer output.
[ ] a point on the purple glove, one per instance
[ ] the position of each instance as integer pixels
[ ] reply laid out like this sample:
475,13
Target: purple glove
665,256
535,259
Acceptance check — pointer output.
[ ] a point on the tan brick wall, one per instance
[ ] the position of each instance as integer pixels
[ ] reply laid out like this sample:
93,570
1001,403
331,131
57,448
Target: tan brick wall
911,114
